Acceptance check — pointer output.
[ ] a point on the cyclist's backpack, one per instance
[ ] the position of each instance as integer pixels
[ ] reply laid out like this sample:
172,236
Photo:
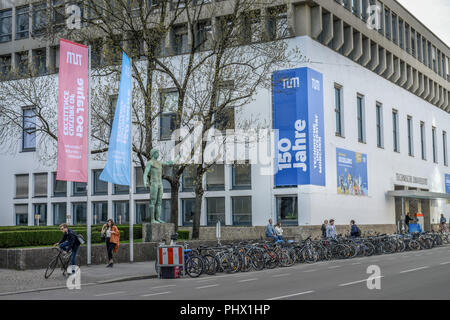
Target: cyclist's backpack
358,232
81,238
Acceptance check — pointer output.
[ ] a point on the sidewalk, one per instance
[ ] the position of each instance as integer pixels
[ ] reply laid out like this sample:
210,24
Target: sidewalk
13,281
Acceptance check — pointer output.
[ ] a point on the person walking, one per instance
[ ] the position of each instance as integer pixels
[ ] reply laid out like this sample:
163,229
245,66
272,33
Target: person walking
355,232
279,231
443,223
331,230
323,228
270,231
408,219
68,242
112,236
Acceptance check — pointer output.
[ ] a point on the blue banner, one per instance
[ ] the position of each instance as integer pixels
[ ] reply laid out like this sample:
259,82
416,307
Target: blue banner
447,185
299,129
117,169
351,173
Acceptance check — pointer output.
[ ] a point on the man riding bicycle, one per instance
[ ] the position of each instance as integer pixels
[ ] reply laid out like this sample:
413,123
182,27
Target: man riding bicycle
68,242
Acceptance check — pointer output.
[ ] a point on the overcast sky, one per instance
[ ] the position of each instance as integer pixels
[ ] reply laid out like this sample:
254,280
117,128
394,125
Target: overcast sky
435,14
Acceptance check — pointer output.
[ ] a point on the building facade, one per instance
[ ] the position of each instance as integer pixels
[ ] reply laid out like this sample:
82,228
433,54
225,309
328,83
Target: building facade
385,100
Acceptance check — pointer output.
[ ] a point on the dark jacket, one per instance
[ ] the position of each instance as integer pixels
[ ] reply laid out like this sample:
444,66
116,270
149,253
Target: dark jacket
324,230
354,232
71,238
407,220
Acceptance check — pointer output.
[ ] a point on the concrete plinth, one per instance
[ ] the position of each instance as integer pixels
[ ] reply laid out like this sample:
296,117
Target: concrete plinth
155,232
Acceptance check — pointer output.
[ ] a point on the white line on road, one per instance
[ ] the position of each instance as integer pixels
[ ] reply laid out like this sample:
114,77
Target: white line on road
170,285
448,262
334,267
281,275
312,270
291,295
210,286
359,281
155,294
108,294
411,270
356,263
248,280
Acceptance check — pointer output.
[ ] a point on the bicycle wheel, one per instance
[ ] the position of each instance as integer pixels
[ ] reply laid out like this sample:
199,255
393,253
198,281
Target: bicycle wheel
51,267
210,264
270,260
194,266
414,245
257,259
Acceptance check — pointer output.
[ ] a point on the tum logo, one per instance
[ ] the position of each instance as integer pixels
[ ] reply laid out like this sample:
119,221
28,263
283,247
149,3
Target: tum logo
290,83
73,58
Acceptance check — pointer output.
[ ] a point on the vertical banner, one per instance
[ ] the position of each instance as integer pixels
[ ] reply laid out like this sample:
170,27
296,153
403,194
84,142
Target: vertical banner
117,169
351,173
72,111
298,118
447,185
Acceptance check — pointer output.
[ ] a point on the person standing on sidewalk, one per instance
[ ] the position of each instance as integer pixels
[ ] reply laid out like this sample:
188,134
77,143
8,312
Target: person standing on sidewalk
112,236
323,228
331,230
68,242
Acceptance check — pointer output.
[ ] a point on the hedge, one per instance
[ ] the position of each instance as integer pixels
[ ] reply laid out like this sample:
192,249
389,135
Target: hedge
40,237
183,235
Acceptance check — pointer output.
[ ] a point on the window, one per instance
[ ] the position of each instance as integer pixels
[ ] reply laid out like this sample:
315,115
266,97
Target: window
360,118
287,210
224,119
59,213
419,47
39,61
400,33
120,189
410,137
96,52
407,37
413,42
165,210
394,28
40,214
58,14
100,186
5,65
188,179
40,185
433,137
241,176
79,213
21,186
188,206
364,10
387,19
21,212
142,212
215,211
215,178
355,7
22,23
395,130
29,129
99,212
338,110
252,29
444,147
242,211
204,35
121,212
422,141
277,24
140,188
5,25
424,50
181,40
54,59
22,60
59,187
379,116
168,105
79,189
39,18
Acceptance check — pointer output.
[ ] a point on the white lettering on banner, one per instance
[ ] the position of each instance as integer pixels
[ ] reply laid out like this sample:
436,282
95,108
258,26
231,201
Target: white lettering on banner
123,127
315,84
74,58
80,107
317,145
291,83
68,114
285,146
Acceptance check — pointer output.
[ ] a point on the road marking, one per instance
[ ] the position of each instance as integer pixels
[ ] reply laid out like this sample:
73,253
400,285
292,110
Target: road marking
411,270
312,270
334,267
155,294
210,286
291,295
108,294
248,280
281,275
359,281
170,285
448,262
356,263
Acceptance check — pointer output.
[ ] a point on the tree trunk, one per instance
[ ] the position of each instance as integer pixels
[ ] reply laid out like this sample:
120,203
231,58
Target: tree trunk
174,188
198,211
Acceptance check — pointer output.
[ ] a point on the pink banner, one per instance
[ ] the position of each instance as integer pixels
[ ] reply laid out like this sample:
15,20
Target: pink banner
72,111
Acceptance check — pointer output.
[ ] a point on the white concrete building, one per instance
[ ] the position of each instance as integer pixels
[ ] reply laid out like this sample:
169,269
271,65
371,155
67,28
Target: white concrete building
383,97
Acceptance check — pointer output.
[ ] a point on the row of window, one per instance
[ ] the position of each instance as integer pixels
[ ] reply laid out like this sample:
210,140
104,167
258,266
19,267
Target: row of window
394,28
241,211
215,181
361,125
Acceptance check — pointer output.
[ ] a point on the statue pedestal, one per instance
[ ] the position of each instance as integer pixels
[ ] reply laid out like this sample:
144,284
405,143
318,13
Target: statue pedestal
155,232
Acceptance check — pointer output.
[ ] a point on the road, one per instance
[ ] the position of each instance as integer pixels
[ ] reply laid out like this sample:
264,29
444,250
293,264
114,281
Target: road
410,275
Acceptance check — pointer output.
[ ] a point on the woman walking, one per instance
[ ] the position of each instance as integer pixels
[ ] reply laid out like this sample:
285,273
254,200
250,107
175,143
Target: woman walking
112,236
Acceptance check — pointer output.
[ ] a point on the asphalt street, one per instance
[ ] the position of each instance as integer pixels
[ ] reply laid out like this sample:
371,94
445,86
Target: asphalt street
410,275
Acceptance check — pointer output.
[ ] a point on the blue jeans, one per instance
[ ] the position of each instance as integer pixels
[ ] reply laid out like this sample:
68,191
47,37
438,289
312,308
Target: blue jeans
65,247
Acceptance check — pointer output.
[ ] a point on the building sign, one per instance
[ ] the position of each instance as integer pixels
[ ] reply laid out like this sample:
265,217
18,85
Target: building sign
299,129
411,179
351,173
72,112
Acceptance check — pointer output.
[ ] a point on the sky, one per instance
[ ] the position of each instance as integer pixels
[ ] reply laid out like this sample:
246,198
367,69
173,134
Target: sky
434,14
